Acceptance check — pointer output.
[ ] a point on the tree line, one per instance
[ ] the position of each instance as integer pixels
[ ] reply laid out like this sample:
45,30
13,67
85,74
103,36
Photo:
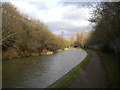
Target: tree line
106,19
27,35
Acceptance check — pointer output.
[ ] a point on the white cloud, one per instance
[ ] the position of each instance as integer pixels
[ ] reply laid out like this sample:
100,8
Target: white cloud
58,17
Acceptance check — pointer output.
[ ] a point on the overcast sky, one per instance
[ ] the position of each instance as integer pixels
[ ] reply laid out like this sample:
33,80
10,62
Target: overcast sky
69,17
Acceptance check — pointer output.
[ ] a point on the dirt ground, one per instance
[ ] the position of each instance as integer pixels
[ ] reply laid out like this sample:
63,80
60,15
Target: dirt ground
93,76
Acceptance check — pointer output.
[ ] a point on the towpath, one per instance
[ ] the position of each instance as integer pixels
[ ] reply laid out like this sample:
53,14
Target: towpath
93,76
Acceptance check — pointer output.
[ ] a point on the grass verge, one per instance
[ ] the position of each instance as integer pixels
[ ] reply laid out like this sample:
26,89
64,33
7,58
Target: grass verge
112,68
67,80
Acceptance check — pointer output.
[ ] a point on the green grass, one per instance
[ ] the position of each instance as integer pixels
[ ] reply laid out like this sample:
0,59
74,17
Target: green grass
67,80
112,69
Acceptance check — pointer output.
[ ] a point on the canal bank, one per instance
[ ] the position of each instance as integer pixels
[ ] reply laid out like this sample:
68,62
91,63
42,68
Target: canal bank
14,53
67,80
102,71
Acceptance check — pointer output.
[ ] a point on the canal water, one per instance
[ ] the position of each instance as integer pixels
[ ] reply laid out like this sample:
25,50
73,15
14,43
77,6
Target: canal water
39,71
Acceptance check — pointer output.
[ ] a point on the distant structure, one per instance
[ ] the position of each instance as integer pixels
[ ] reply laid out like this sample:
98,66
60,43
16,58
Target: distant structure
62,34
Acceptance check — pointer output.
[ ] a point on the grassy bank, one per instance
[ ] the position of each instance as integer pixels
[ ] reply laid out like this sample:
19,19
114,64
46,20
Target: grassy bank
112,68
67,80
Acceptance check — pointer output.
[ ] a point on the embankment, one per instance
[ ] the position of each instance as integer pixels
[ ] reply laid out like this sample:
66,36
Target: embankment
67,80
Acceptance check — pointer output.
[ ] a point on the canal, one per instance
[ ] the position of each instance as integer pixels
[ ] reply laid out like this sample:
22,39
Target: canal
39,71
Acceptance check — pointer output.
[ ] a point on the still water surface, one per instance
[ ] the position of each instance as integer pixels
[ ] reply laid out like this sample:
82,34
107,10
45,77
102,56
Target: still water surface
40,71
